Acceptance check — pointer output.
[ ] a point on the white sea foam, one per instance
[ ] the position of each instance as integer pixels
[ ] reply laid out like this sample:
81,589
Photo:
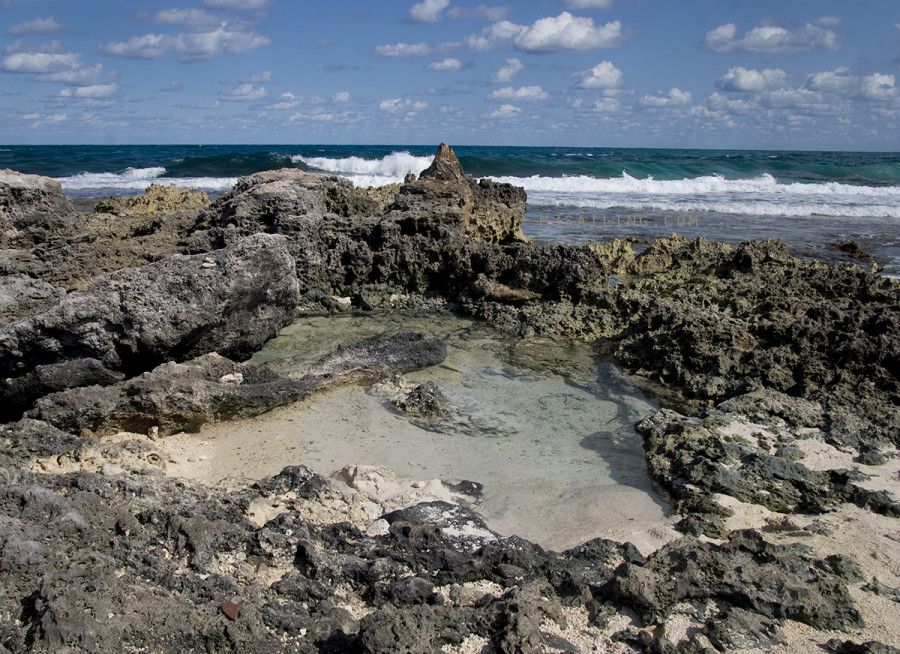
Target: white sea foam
758,196
138,179
369,172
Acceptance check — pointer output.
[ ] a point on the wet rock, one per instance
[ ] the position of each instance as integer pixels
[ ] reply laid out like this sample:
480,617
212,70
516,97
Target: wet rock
424,400
33,210
185,396
854,251
135,319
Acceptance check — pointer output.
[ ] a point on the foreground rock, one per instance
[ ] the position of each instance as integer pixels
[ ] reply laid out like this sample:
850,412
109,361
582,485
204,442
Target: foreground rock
102,553
230,301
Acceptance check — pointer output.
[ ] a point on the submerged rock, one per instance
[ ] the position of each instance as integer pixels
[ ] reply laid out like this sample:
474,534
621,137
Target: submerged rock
184,396
424,400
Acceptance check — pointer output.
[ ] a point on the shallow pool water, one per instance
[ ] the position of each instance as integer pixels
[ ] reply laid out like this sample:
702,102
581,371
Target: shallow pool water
543,425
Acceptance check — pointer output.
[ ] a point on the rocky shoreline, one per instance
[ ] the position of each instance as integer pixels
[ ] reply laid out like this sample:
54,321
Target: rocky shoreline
777,440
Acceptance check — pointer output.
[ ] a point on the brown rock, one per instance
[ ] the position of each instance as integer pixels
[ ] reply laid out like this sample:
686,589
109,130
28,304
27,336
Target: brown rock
231,610
445,167
156,200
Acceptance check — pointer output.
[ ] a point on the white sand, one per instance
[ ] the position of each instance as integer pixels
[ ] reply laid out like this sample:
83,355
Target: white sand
555,498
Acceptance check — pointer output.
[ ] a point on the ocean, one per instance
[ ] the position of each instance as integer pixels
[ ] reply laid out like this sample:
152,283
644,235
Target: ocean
811,200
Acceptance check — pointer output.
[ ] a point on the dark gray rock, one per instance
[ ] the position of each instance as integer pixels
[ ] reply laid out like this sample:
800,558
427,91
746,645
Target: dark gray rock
185,396
424,400
785,582
22,296
136,319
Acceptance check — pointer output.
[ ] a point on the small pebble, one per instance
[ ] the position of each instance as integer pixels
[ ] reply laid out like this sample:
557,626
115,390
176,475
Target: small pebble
153,433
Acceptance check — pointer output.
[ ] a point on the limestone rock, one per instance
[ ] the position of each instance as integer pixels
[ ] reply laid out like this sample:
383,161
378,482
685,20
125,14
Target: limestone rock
445,196
157,199
283,201
445,166
22,296
133,320
185,396
33,209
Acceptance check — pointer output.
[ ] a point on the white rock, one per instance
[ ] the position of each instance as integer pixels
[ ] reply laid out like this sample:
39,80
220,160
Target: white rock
111,470
234,379
380,527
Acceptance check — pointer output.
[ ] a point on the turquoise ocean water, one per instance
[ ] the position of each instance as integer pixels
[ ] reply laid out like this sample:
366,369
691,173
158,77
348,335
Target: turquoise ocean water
812,200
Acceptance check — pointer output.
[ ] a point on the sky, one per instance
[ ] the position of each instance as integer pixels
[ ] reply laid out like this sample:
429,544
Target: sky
754,74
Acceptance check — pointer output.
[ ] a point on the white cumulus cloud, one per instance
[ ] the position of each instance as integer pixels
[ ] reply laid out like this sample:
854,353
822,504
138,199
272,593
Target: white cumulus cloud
674,98
403,50
568,32
508,71
449,64
878,86
747,80
92,92
428,11
245,93
506,111
341,96
192,46
771,39
50,62
552,34
522,94
191,19
396,105
603,76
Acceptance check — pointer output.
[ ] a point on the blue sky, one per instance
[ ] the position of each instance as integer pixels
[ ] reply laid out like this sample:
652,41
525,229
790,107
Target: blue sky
788,74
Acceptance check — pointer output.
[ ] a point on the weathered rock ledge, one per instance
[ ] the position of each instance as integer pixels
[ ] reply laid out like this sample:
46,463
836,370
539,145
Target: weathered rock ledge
143,320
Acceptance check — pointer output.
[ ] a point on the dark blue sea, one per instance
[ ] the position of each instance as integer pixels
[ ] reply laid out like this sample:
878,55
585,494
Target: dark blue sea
811,200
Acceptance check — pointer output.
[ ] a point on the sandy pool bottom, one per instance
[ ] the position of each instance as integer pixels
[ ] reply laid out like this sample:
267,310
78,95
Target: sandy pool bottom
545,429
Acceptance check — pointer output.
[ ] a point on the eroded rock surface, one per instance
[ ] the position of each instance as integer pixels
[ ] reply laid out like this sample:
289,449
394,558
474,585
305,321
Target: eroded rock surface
230,301
33,210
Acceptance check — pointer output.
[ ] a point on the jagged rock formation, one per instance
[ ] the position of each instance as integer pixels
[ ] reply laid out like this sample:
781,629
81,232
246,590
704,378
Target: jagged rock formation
230,301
